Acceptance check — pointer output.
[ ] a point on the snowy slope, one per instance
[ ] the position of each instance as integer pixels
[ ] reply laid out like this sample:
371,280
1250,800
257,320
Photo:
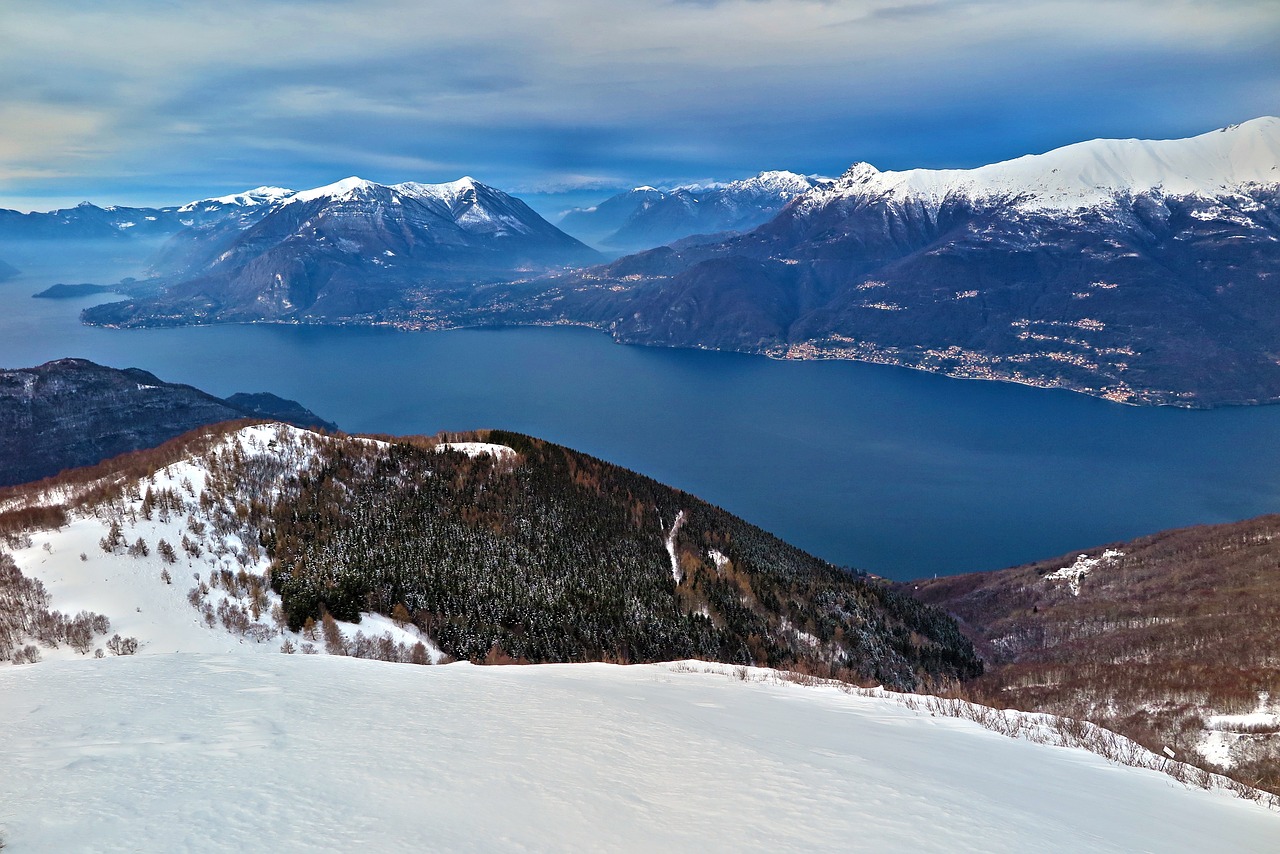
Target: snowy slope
131,591
1086,174
249,198
219,752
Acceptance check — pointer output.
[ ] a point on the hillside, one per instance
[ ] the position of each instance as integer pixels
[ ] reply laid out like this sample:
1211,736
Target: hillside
1173,640
226,752
507,549
72,412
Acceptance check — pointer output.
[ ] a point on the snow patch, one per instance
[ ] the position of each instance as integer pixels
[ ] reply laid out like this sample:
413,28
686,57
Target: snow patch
671,547
1078,571
477,449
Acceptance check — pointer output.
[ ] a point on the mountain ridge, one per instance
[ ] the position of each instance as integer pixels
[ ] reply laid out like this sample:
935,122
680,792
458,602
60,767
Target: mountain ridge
645,216
70,413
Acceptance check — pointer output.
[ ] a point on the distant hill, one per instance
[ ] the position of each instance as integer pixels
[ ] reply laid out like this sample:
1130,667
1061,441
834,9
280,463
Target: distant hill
1172,640
72,413
89,222
646,217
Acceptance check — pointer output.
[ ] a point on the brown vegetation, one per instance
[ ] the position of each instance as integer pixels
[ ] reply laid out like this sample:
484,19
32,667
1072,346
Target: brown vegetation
1183,625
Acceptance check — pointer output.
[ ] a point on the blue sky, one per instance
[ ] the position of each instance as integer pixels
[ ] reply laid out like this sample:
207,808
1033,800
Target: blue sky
159,101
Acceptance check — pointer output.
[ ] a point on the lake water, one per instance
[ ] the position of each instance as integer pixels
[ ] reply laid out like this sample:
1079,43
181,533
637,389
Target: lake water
895,471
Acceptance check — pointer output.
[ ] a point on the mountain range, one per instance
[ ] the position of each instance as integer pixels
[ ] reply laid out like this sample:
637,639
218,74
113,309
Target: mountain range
646,217
72,412
1140,271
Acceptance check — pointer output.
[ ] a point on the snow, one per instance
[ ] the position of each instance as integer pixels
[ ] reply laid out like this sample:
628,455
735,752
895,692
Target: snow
249,198
339,189
476,449
129,590
211,740
1076,573
1086,174
671,547
304,753
778,183
1242,723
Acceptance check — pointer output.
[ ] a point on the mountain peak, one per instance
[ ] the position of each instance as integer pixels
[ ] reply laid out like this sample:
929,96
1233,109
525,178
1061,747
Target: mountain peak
337,189
1095,172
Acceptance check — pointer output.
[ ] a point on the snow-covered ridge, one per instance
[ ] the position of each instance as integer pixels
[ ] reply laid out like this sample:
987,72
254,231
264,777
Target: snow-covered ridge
478,449
353,187
249,198
770,182
1087,174
147,593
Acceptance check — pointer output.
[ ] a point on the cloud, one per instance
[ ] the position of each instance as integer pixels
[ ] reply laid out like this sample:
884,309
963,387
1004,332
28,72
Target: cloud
186,97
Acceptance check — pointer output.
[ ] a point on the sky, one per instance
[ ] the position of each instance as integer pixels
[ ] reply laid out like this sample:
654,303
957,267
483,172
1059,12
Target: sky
160,101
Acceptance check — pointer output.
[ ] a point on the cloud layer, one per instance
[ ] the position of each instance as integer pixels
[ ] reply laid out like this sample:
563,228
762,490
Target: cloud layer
148,101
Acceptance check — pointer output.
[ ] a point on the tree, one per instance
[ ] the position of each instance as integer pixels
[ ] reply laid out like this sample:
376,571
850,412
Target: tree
166,552
139,548
334,642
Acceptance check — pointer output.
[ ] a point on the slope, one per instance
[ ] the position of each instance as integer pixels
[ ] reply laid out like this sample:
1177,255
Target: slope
519,550
217,752
1171,639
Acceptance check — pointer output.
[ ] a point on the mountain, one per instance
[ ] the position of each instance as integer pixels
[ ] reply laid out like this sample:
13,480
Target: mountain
1172,640
595,224
1139,271
349,250
239,752
87,221
495,547
72,413
7,271
647,217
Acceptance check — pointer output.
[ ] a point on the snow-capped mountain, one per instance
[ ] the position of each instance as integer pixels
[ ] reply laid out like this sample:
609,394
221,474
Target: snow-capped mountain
349,249
646,217
1101,173
1139,271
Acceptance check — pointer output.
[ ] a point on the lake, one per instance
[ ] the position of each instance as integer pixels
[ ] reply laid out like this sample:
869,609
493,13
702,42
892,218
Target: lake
895,471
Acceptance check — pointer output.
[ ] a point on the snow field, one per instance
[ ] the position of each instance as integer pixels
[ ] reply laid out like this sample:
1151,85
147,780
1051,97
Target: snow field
222,752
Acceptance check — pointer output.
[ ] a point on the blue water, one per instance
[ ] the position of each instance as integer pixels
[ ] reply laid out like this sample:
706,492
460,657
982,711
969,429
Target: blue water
895,471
